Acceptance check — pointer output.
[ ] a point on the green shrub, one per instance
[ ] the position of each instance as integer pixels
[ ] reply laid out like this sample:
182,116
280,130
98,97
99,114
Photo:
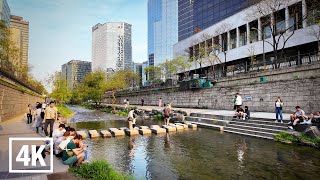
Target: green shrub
96,170
158,117
302,138
64,111
107,110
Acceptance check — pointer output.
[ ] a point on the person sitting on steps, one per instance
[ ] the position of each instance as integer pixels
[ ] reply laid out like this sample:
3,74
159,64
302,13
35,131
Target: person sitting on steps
247,112
240,113
73,155
297,117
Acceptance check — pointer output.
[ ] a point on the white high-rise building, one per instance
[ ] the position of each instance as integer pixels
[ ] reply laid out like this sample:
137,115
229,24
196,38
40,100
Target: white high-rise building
111,46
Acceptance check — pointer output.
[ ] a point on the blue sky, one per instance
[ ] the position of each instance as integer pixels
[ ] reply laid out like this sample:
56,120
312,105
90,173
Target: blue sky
60,30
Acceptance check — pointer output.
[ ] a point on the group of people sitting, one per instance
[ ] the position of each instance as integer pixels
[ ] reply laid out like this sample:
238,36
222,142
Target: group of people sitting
300,117
242,113
69,146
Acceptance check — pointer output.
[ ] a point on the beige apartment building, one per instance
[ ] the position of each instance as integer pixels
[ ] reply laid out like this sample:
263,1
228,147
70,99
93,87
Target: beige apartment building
20,35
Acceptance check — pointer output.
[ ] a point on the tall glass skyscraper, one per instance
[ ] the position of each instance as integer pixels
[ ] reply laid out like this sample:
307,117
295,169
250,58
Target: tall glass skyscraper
162,30
196,15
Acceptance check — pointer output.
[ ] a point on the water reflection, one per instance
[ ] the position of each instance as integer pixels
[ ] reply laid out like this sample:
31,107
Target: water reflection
199,154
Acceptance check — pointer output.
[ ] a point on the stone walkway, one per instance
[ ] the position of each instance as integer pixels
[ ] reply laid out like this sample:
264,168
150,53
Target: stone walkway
17,127
265,115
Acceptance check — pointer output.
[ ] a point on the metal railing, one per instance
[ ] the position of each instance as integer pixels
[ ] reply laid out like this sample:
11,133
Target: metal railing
287,62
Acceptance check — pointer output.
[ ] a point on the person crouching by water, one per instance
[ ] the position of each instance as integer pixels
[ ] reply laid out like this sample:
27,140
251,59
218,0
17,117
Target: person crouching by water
132,119
166,114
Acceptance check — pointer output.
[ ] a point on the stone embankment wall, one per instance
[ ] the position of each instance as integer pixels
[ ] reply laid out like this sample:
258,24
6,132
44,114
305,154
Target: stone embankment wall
296,86
14,101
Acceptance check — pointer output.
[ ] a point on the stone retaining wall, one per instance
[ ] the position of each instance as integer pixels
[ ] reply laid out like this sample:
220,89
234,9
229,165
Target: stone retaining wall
297,86
14,102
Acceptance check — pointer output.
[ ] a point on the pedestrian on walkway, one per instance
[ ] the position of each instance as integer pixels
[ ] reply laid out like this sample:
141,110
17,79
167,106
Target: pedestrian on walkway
50,116
29,114
160,102
38,117
278,109
142,101
238,102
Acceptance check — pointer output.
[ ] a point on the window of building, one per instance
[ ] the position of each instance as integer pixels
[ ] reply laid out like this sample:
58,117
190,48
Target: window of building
295,16
254,34
243,35
233,39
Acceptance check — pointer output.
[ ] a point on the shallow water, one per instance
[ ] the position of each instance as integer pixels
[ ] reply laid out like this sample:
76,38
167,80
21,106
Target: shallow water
197,154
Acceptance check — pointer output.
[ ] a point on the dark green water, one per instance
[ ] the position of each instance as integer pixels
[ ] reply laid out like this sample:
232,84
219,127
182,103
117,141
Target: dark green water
198,154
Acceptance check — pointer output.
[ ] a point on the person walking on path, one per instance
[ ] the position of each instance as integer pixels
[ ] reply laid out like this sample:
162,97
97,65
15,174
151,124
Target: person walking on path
160,102
142,101
50,116
238,101
278,110
38,117
29,114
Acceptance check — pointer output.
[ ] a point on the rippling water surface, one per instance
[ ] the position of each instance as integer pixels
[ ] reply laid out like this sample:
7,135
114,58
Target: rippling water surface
196,154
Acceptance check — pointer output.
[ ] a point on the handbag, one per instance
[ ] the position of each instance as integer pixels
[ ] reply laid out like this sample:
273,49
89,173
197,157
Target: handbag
69,152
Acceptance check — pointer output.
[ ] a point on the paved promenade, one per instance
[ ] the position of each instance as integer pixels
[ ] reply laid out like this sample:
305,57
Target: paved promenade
266,115
17,127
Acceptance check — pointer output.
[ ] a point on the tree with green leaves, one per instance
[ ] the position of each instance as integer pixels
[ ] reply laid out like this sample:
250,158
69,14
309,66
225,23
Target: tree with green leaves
92,87
154,73
61,91
182,65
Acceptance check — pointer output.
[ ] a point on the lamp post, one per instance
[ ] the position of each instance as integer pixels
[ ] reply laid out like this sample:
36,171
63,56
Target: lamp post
264,56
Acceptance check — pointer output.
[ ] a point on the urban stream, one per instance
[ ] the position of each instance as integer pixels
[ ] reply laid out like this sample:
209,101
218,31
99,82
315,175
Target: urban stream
195,154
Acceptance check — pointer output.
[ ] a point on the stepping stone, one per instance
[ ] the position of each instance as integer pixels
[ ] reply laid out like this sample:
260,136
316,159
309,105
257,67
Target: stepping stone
169,128
123,128
157,129
83,134
105,133
185,126
131,132
144,127
178,127
93,133
145,131
116,132
192,125
136,128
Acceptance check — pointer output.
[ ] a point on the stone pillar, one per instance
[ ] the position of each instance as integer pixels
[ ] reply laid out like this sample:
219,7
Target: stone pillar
228,40
287,19
220,42
238,37
304,13
259,30
248,33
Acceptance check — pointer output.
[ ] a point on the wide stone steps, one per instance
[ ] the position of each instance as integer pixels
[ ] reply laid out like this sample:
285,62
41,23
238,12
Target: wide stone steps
207,120
260,129
270,122
248,132
210,126
260,125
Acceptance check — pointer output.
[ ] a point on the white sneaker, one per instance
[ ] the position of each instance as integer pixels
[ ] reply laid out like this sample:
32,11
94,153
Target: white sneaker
289,122
276,121
290,127
281,122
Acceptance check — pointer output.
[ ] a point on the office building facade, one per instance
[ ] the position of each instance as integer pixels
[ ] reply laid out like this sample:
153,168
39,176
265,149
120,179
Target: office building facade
5,12
74,71
246,34
111,46
197,15
20,35
162,30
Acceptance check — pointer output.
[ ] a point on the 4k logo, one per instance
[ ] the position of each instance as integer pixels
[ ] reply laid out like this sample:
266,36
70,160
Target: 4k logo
23,158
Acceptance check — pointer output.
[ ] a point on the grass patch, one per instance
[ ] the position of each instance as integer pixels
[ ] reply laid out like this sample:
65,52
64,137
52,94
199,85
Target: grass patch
301,139
97,170
64,111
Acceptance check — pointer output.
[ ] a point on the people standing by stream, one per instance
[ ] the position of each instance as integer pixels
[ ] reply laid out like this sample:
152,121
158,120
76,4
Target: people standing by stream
238,101
131,119
142,101
38,118
278,109
166,114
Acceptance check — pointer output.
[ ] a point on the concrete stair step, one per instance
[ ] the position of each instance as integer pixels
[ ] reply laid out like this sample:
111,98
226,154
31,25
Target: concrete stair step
248,134
212,116
210,126
271,126
248,131
285,122
207,120
260,129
